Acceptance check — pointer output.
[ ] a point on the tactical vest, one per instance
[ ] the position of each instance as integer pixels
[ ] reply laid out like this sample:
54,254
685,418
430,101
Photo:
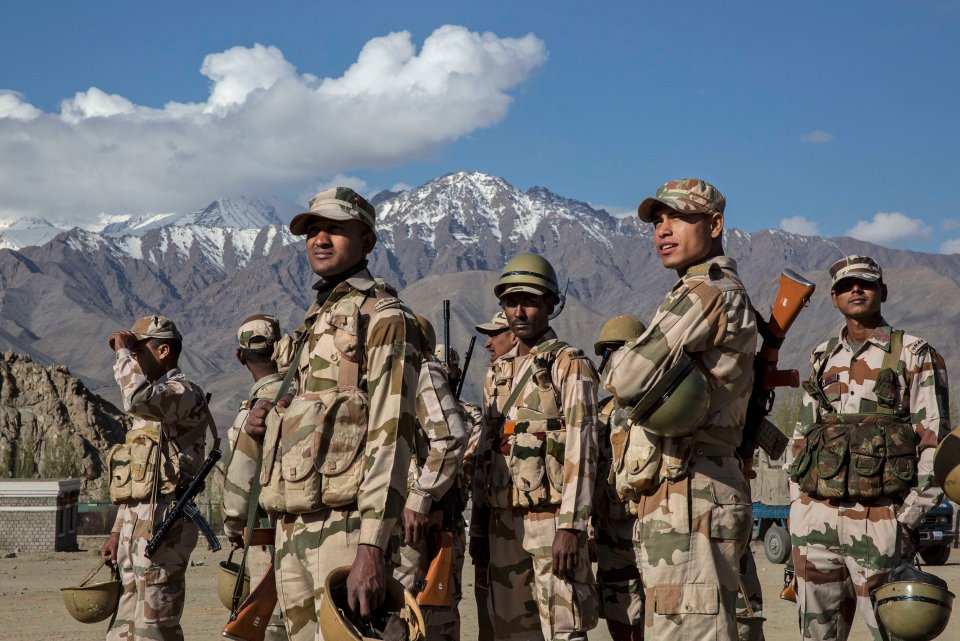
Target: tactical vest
525,466
859,456
311,452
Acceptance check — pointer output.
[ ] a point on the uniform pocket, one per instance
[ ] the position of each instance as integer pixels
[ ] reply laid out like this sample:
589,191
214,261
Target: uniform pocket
867,453
731,516
163,601
118,464
638,467
831,463
900,468
345,318
527,469
338,448
555,449
576,607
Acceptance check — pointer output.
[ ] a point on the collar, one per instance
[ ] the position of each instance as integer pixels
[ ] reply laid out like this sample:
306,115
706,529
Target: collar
710,268
548,338
173,373
360,281
879,337
266,380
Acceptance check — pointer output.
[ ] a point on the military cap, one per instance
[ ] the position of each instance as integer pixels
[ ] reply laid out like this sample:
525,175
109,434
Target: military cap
496,325
685,195
259,330
336,203
859,267
155,327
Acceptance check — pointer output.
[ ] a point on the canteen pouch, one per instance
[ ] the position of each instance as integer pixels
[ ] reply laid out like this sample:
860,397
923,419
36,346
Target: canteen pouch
636,457
133,468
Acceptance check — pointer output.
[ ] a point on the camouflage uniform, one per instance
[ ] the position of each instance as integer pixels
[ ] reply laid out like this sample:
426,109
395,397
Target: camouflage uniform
173,410
352,491
238,478
439,443
692,499
618,560
844,549
538,461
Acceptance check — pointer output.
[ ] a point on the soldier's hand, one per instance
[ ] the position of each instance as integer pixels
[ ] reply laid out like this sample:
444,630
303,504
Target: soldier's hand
256,424
367,581
566,552
123,339
415,526
108,551
480,551
236,542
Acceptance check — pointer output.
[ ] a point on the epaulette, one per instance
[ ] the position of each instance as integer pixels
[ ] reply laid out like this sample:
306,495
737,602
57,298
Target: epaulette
387,303
918,346
710,270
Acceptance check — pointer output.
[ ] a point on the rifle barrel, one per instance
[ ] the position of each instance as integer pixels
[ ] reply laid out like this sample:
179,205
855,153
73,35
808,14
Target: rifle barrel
466,366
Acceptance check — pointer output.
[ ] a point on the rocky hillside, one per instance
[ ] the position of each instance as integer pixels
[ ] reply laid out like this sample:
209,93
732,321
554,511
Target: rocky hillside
52,426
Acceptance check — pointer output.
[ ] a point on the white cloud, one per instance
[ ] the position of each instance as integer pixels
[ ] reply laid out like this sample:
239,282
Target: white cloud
817,137
800,225
264,128
889,229
951,246
401,187
340,180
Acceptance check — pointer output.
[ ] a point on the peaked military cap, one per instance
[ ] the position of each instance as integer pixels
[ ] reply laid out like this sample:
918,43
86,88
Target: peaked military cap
859,267
496,325
155,327
259,330
336,203
685,195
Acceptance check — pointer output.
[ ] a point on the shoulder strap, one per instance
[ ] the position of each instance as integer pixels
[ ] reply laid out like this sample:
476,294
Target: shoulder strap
892,360
520,384
812,385
349,371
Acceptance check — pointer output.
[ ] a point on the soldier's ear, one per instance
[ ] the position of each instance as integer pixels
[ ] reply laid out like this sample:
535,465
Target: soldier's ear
883,293
833,299
716,224
243,361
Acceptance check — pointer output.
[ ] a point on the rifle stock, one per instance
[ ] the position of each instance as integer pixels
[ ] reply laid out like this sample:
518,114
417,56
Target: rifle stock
249,622
439,578
792,297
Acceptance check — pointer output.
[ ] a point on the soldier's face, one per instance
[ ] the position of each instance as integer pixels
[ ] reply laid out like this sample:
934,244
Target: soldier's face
527,314
684,239
858,299
334,246
500,343
149,357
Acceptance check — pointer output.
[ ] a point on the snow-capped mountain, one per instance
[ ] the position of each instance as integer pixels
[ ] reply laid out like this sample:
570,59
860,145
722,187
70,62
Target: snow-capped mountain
27,232
239,212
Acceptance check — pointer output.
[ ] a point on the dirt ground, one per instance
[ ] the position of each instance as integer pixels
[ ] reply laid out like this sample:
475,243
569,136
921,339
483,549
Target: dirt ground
31,606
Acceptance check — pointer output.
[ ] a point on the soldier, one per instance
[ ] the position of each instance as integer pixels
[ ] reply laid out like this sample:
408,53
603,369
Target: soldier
682,390
258,335
874,408
618,561
337,484
538,455
166,445
438,453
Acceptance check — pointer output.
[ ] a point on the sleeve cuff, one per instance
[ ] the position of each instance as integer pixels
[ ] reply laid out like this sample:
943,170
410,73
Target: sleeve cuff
374,532
419,502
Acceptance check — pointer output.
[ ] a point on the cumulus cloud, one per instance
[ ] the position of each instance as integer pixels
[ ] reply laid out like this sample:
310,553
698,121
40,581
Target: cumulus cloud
264,128
951,246
800,225
817,137
889,229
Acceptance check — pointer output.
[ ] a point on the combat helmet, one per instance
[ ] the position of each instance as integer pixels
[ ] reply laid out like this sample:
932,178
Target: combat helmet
914,605
946,465
677,404
227,582
94,602
428,332
528,273
398,610
617,331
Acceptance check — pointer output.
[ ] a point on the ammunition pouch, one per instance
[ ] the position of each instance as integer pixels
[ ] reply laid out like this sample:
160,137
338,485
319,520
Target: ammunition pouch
529,469
636,457
133,464
857,457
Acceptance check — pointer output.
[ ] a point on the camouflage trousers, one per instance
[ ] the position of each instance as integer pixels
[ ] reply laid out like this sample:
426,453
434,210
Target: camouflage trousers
258,560
443,624
841,552
749,591
308,547
618,575
527,600
691,534
481,594
153,589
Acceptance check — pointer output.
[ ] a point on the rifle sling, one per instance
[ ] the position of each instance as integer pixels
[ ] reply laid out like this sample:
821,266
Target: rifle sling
253,506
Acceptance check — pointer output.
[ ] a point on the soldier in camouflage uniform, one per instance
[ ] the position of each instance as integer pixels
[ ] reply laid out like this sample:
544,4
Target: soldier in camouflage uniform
335,459
438,453
614,520
164,449
538,455
692,500
875,407
258,335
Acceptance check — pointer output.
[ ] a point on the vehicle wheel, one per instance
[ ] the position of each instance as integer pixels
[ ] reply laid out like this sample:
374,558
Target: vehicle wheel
776,544
936,554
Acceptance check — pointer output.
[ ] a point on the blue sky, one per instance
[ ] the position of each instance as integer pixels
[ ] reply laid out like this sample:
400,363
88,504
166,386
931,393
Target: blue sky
818,117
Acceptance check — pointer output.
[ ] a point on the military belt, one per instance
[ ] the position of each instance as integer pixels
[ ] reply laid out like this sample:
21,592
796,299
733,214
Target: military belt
710,449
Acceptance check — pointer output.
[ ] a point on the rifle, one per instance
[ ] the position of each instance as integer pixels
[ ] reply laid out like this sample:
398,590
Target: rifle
185,507
249,622
793,296
446,333
466,366
607,353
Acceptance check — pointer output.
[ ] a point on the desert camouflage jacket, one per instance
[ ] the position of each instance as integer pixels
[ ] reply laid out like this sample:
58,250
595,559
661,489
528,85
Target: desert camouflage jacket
238,478
849,378
708,315
573,382
440,438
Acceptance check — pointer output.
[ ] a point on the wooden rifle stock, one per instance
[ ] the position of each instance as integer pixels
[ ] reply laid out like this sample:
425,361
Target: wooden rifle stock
249,622
792,297
439,579
261,536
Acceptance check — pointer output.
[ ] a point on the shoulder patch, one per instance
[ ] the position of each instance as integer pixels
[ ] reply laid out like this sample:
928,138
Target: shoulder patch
388,302
917,346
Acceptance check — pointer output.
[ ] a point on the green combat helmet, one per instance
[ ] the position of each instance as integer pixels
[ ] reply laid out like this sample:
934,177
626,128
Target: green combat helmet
94,602
946,465
227,582
398,617
913,605
677,404
528,273
617,331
